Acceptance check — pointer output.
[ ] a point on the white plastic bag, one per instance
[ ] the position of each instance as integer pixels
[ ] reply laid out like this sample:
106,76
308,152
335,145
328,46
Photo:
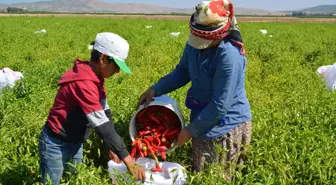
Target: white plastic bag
41,31
329,74
173,172
174,34
264,32
8,77
90,47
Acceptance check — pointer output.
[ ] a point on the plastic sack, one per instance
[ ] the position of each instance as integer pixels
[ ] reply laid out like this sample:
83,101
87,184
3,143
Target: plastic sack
41,31
173,172
264,32
329,74
174,34
8,77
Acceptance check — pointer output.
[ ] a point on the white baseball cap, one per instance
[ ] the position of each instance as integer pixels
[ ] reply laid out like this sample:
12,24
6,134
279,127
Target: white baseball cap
113,46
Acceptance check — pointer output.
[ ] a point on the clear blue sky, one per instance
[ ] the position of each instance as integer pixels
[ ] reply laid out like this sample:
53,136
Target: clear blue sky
263,4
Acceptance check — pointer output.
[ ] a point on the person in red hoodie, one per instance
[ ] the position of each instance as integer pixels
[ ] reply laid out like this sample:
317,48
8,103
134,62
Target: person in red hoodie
80,106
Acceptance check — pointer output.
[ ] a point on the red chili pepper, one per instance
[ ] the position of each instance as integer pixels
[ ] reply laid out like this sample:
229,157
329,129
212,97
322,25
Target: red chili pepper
150,150
163,155
139,145
157,166
148,132
140,120
171,138
157,141
158,149
172,132
146,142
154,135
154,119
165,132
133,152
161,148
141,113
142,133
153,130
166,117
157,170
147,123
149,138
162,128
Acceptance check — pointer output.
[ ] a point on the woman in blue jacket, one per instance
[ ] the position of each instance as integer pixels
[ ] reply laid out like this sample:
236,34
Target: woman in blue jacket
214,62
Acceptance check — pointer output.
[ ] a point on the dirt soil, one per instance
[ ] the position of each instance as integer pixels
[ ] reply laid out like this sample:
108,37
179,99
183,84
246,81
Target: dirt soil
176,17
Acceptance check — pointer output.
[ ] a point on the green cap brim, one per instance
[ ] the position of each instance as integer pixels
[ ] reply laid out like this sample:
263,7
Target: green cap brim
123,66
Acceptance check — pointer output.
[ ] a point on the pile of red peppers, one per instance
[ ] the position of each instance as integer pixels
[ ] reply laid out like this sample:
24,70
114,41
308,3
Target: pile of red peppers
157,128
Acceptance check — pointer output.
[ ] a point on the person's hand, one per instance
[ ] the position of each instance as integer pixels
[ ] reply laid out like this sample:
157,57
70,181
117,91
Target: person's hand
114,157
183,137
146,97
137,171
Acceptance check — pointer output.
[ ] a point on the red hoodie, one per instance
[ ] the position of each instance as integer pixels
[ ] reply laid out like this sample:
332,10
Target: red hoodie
79,104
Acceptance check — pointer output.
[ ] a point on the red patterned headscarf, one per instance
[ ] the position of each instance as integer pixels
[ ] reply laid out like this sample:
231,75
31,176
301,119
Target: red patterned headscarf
214,20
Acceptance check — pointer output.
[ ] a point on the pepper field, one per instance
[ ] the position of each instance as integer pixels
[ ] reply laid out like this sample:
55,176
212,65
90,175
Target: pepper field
294,118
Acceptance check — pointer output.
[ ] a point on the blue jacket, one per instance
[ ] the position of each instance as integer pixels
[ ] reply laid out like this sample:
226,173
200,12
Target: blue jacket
217,96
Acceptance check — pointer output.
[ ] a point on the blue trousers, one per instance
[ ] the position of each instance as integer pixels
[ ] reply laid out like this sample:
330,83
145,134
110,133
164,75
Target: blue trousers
54,156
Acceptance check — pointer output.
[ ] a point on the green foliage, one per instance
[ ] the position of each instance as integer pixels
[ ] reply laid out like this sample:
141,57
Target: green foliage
293,120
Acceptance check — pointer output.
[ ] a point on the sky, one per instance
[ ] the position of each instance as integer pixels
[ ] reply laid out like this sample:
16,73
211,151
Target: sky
261,4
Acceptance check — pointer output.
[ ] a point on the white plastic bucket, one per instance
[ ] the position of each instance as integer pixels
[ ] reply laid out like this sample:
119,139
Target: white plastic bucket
164,101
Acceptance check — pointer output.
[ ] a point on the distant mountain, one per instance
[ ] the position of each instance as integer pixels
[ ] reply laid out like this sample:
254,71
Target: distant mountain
321,9
99,6
3,7
95,6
